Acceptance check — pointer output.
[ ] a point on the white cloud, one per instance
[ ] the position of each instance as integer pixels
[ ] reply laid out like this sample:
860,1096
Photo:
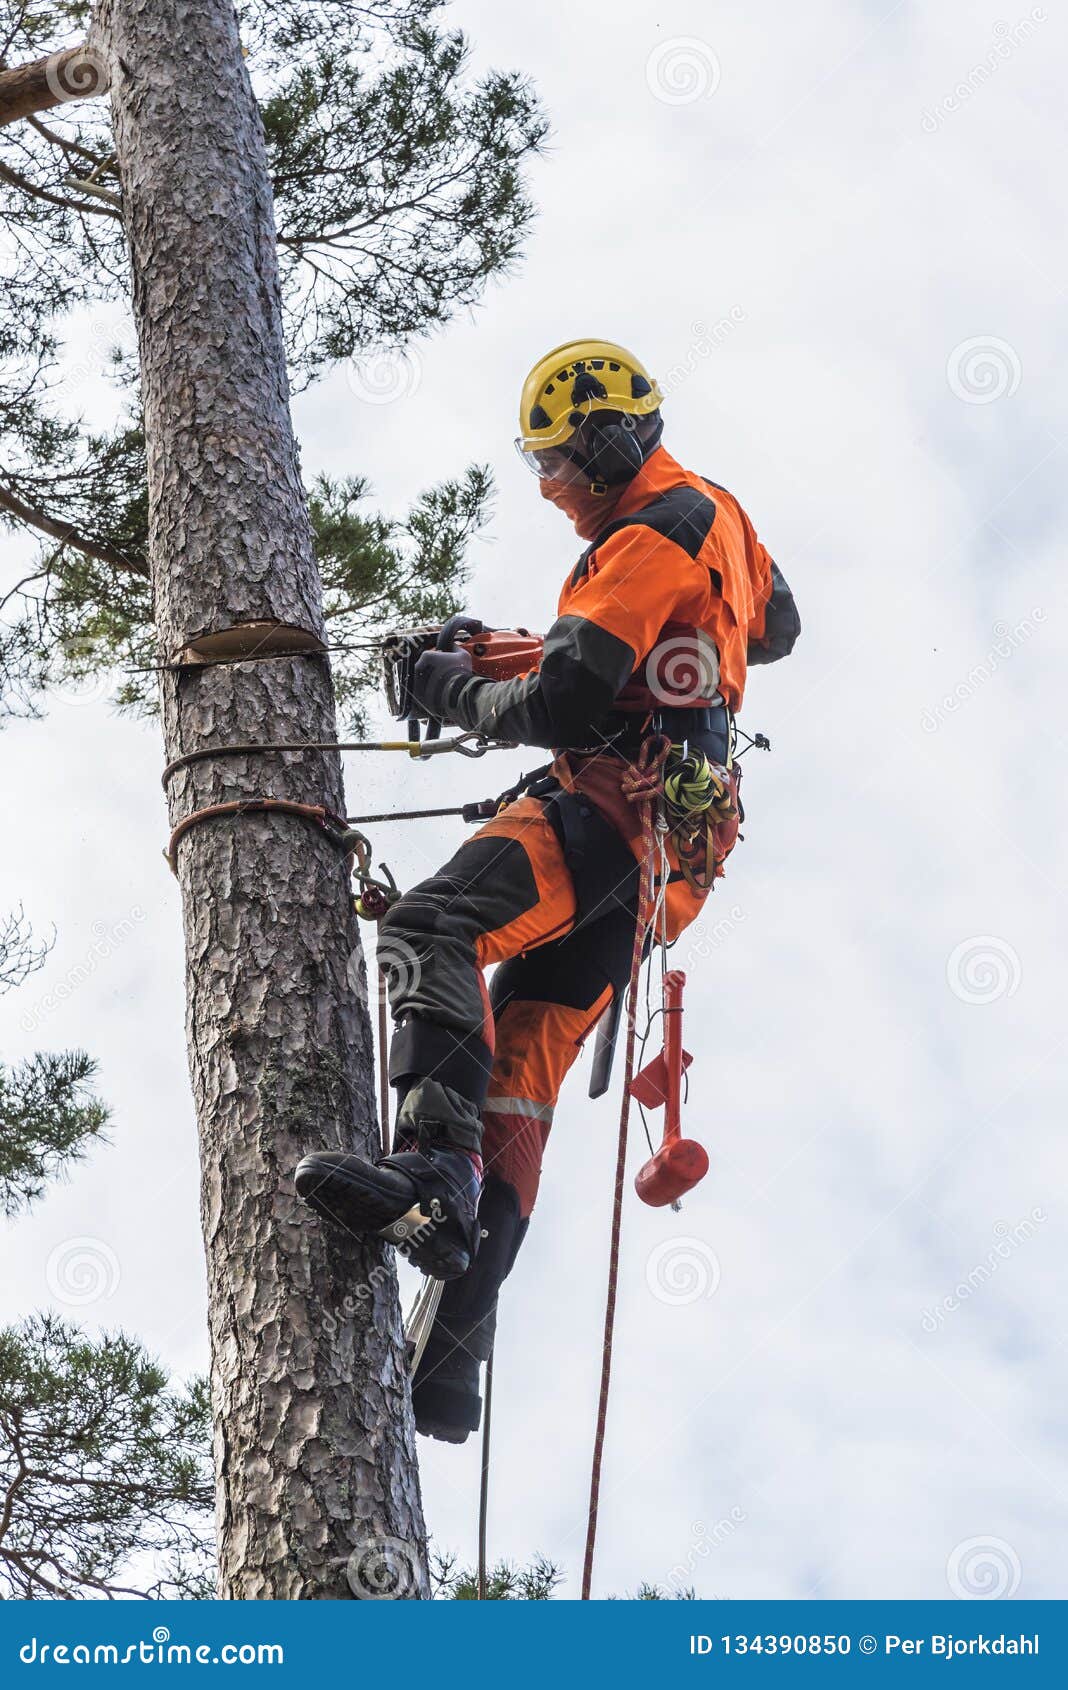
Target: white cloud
868,1129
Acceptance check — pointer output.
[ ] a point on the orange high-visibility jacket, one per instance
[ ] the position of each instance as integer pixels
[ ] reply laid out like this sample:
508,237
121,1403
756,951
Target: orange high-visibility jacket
676,591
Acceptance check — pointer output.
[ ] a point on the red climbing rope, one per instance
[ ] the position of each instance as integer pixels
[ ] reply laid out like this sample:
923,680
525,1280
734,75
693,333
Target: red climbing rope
642,785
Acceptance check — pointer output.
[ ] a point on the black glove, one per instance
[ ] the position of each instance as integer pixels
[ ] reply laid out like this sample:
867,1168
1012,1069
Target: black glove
434,679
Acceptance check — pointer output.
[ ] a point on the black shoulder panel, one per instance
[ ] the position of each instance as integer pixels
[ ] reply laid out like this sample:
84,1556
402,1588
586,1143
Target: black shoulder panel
683,514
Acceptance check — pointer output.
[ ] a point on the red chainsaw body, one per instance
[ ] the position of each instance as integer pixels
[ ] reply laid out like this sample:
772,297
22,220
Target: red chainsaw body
680,1162
497,654
501,654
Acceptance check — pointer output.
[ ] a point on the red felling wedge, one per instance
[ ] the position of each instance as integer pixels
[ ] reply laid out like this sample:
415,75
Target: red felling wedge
680,1162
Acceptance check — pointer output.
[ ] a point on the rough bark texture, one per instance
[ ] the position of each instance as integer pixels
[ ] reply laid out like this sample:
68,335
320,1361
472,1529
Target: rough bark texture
314,1444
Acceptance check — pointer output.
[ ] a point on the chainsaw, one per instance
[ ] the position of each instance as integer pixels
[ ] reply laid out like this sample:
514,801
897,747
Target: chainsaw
497,654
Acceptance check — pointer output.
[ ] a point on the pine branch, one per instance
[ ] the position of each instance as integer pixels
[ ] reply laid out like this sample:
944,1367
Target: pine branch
73,147
67,534
19,181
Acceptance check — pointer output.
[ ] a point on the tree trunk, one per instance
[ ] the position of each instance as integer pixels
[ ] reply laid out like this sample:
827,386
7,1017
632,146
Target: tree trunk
314,1439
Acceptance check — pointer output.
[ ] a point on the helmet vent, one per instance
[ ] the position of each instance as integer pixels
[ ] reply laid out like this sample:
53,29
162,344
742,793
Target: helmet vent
588,386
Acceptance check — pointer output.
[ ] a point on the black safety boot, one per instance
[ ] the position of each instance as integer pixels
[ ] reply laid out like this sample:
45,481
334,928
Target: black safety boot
445,1388
423,1201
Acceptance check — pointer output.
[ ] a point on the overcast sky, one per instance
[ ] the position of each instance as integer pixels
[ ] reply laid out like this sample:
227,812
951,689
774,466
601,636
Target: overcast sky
837,234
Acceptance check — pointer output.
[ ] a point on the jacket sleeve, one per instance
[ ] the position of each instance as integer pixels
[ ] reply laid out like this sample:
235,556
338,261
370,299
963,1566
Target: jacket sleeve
615,616
774,629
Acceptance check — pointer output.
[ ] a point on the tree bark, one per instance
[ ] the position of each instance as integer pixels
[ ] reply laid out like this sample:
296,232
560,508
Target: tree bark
314,1438
80,73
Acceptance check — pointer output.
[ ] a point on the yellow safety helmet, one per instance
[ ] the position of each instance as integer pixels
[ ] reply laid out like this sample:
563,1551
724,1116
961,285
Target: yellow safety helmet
578,378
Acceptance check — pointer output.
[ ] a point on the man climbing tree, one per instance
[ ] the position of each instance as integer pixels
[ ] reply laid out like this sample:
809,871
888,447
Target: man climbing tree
638,681
317,1485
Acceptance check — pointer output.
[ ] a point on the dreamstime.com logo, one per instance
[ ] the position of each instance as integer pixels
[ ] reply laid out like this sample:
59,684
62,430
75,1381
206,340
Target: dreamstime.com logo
705,343
384,1569
10,256
681,71
681,1271
983,1569
1008,639
384,376
1008,1239
80,75
983,369
106,941
1007,38
397,970
983,969
81,1271
682,669
156,1651
703,1541
704,937
82,679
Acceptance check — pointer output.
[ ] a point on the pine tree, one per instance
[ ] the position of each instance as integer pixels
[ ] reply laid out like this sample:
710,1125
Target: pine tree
48,1115
342,206
104,1469
398,193
105,1483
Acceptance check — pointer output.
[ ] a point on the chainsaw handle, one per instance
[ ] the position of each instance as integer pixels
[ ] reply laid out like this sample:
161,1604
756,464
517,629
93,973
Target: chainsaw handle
461,623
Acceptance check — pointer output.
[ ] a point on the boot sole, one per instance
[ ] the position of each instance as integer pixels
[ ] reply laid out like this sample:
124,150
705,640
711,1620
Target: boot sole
343,1196
444,1434
361,1207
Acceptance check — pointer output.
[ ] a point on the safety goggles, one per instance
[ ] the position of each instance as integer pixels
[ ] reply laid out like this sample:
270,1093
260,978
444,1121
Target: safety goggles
567,462
552,463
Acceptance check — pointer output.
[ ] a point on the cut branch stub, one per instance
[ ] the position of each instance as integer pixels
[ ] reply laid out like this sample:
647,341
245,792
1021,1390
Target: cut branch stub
79,73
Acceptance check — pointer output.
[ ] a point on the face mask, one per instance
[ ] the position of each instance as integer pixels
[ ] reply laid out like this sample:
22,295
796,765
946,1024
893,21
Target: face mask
588,511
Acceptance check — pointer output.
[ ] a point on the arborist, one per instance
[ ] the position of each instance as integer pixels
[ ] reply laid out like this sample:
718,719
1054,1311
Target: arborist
671,600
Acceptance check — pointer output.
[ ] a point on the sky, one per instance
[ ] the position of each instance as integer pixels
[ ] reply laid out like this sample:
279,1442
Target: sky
836,235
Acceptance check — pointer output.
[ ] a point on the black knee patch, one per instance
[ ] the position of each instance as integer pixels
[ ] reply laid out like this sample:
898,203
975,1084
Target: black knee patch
572,971
487,884
421,1048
